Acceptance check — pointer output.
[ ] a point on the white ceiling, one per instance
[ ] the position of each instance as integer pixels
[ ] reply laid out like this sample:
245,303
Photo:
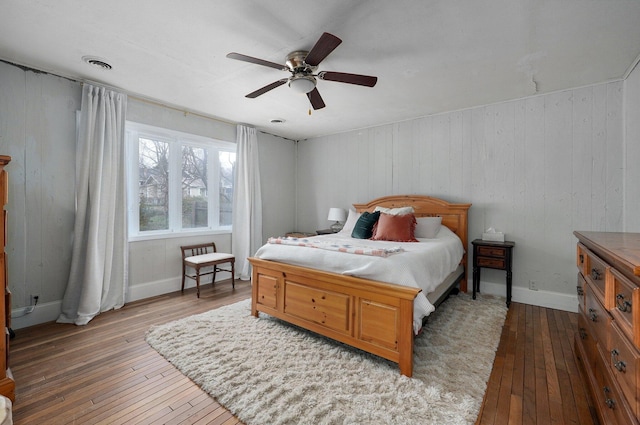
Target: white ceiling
429,56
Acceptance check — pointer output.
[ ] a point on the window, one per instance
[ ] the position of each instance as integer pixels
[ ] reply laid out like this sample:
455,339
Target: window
177,182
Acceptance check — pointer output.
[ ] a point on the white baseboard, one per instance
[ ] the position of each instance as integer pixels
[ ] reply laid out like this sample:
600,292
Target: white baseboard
546,299
165,286
152,289
42,313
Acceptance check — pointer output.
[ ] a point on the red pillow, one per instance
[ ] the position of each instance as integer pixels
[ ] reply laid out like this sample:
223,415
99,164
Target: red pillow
398,228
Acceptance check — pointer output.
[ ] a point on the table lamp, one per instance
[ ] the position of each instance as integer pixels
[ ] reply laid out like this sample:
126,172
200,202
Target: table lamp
337,215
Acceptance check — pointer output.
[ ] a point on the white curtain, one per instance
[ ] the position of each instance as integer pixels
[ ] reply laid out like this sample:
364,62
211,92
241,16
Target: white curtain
98,277
247,201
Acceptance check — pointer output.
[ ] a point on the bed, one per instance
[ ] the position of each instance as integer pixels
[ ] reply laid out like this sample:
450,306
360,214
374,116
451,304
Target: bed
368,313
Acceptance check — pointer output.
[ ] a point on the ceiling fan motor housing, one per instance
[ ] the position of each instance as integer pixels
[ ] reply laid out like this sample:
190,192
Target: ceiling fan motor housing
295,62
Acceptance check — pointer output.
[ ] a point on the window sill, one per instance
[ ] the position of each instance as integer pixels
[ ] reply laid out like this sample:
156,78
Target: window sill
183,234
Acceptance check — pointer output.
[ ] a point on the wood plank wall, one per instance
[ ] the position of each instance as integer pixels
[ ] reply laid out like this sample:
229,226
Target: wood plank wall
536,168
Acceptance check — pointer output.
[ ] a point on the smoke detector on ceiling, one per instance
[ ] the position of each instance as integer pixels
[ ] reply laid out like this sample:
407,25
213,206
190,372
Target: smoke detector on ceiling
97,62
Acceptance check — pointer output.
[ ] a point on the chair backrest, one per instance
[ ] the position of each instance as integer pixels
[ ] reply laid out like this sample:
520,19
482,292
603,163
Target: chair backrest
199,249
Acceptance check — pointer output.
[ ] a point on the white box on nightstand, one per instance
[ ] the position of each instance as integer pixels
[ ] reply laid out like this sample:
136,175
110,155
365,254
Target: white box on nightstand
493,237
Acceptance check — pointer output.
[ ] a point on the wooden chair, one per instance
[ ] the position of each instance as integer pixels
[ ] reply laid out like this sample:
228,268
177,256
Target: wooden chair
205,255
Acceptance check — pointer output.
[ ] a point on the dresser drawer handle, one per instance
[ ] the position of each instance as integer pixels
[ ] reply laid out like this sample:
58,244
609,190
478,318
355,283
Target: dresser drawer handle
611,403
593,315
580,290
595,274
623,305
581,258
583,333
618,364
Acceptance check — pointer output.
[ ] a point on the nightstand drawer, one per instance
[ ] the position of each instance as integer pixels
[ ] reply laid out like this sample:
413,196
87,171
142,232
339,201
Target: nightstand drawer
495,263
492,251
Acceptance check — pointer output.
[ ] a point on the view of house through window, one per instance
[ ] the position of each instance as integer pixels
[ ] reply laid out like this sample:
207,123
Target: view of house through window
178,182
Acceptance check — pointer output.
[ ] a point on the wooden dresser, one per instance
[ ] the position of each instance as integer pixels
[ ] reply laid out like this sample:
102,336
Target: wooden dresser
608,340
7,386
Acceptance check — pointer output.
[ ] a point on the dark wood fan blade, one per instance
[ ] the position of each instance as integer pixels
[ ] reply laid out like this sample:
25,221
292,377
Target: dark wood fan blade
325,45
316,99
267,88
342,77
245,58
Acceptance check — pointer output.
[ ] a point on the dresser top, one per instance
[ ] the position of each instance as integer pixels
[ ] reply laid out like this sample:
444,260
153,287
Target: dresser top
621,249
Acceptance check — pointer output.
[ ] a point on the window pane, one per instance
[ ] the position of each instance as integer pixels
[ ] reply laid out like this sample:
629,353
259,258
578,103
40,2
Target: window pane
153,165
227,166
194,187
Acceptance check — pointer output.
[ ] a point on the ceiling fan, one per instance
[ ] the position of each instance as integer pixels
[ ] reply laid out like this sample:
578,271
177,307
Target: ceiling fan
302,65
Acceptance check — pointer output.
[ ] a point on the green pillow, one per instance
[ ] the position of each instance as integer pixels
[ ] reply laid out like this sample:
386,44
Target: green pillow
364,226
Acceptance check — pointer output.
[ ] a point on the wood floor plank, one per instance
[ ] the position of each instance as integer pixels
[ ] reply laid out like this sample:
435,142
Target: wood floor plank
105,372
504,397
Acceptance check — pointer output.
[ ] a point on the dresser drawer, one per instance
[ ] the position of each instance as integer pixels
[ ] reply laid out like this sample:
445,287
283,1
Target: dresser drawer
612,404
596,273
597,317
582,259
587,339
625,301
624,365
581,287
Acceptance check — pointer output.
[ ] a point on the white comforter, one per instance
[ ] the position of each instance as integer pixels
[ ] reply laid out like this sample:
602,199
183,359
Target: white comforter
423,264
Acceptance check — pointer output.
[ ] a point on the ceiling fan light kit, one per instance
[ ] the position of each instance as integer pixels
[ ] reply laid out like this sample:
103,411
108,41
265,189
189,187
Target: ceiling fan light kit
302,65
302,83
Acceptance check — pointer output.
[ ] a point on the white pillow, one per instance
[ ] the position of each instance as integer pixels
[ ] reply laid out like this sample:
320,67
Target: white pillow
352,218
427,227
395,211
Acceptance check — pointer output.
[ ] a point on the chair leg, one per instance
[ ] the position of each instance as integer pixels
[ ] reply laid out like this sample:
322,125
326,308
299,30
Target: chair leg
213,278
184,272
198,281
233,275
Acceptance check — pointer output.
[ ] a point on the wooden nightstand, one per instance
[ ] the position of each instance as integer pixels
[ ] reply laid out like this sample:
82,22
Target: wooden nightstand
325,232
492,255
299,234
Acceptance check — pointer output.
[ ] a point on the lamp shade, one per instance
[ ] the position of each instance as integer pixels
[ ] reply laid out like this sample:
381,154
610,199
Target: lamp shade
337,214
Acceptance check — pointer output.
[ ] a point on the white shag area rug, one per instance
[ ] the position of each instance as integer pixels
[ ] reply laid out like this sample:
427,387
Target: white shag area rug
267,372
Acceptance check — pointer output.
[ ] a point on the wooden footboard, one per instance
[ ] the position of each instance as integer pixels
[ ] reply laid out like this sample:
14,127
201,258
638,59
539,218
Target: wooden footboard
373,316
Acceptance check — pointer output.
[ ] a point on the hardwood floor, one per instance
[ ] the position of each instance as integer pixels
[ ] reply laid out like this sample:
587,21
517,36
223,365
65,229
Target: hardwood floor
105,373
535,377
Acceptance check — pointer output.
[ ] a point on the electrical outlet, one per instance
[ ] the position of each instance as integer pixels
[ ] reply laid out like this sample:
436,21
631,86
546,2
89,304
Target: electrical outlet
34,299
533,286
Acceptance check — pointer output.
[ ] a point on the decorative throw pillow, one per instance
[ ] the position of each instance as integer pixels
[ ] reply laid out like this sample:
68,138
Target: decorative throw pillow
428,227
352,218
395,211
398,228
364,226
